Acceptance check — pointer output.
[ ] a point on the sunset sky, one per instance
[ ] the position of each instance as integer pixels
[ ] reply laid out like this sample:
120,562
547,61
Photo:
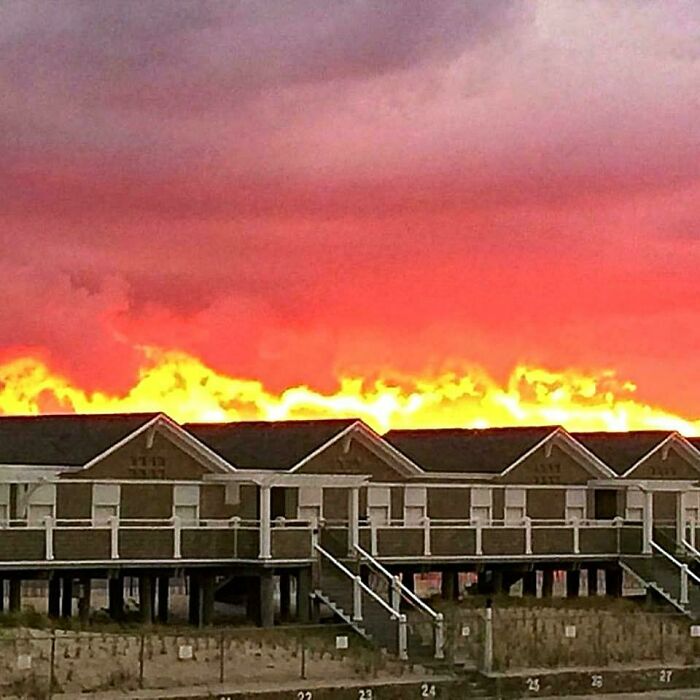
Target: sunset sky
298,193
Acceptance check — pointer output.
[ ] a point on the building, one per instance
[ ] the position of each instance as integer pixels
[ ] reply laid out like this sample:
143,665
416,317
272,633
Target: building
244,509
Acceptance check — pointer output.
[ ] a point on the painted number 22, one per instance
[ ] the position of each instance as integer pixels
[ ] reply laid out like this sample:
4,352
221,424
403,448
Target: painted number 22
305,695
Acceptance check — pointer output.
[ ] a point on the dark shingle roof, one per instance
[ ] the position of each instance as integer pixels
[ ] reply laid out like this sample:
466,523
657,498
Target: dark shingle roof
65,440
267,445
488,450
621,450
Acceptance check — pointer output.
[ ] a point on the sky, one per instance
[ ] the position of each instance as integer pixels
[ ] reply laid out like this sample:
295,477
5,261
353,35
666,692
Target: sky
297,193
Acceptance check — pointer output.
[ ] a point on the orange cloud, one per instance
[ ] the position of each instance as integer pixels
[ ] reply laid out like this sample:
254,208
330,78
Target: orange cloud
188,390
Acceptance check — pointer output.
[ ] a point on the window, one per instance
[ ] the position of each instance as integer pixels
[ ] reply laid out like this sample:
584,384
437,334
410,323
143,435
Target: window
310,499
634,509
415,499
482,503
186,503
105,503
41,502
514,505
4,504
575,504
378,500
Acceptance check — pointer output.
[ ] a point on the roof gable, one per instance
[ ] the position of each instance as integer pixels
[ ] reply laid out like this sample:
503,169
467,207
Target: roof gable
64,440
622,451
461,450
276,446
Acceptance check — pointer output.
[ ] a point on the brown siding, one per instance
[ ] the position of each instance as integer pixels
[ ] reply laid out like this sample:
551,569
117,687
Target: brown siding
358,459
665,505
291,543
335,503
250,502
22,545
146,501
74,501
208,544
546,503
499,541
450,542
597,540
79,544
212,502
499,498
135,461
674,466
550,540
400,542
448,503
146,544
397,501
558,468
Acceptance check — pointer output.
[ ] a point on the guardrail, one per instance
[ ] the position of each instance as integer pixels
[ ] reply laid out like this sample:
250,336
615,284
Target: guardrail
399,590
359,587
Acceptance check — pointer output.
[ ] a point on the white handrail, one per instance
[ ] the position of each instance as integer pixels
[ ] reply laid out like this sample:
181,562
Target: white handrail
675,561
395,614
692,549
393,579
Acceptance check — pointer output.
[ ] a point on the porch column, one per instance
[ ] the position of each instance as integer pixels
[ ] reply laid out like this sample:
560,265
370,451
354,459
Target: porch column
354,517
267,599
67,596
680,519
163,597
115,587
15,594
573,583
450,584
592,573
85,598
265,534
547,583
285,596
2,594
530,584
54,596
303,593
648,522
146,598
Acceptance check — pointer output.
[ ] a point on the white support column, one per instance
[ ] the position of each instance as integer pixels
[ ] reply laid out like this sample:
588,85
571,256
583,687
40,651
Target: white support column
403,638
49,527
114,537
357,599
488,641
680,518
265,529
373,539
648,522
426,536
577,538
528,535
684,584
177,537
395,593
479,538
354,517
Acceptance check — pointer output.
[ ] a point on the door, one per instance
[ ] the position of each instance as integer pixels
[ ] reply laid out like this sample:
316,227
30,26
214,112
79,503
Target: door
605,504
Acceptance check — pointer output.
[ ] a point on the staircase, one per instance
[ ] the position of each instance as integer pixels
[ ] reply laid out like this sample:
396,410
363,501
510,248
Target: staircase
353,601
668,572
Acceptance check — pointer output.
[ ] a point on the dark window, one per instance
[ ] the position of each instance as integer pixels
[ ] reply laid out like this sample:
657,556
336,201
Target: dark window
605,504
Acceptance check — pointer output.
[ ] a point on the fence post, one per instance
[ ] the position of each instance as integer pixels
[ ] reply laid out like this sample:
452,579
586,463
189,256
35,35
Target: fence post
488,641
403,638
302,641
222,657
440,636
141,656
52,663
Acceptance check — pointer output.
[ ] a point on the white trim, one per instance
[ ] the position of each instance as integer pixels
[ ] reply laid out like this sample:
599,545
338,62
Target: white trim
587,459
375,442
674,439
181,438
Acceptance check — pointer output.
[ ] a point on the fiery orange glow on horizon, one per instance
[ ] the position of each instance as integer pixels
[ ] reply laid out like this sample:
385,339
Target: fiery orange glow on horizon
187,390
